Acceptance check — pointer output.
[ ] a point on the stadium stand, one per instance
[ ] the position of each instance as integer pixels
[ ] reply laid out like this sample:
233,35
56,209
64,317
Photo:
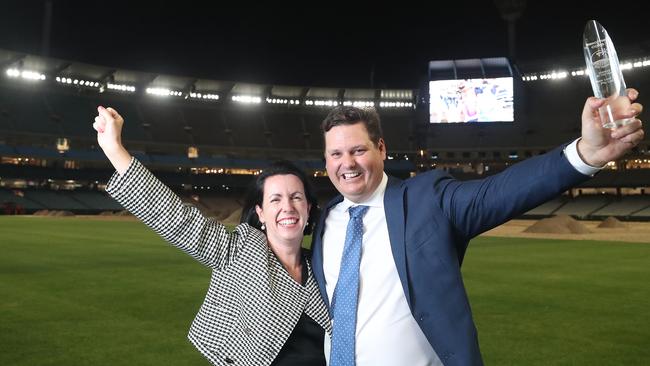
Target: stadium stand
398,132
206,125
313,133
548,208
624,206
235,140
219,206
53,200
278,125
164,121
248,128
17,197
583,206
95,201
71,112
643,214
25,110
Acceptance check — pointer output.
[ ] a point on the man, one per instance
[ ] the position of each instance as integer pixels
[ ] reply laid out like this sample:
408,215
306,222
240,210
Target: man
411,305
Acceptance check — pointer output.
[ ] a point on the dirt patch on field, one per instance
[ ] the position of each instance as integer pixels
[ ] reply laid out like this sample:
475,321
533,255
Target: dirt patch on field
109,217
638,232
558,225
612,223
57,213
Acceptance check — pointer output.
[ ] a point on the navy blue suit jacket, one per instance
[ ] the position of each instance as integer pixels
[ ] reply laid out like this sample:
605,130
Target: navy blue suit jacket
431,219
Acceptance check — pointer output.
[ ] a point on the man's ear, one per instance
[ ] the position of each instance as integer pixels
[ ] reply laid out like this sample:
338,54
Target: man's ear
381,145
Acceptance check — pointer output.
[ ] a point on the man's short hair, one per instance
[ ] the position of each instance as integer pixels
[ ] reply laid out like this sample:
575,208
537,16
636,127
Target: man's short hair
346,115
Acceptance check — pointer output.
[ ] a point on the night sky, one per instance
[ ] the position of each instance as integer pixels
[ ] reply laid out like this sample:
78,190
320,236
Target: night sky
312,43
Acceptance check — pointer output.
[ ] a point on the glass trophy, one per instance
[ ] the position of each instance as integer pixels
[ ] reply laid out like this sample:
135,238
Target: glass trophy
605,75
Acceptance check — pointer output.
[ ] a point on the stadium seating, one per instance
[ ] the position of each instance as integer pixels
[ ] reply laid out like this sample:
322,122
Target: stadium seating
625,206
287,130
75,114
583,206
247,127
165,122
53,200
17,197
207,127
643,214
233,136
96,201
548,208
24,110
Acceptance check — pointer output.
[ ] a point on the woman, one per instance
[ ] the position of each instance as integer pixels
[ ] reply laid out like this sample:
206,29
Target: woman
263,305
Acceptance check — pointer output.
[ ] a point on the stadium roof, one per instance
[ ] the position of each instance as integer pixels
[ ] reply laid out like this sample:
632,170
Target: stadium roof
102,76
320,44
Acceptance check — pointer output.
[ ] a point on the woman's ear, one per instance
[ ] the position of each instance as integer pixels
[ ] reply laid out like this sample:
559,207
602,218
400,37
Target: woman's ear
258,210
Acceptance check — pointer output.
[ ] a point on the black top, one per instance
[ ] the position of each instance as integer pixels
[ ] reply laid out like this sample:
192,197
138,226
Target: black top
305,344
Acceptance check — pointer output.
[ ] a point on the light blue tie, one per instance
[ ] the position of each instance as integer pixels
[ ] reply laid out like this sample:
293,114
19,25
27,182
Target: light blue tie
346,293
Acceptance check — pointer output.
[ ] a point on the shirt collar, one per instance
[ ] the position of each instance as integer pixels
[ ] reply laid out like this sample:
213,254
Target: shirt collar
375,200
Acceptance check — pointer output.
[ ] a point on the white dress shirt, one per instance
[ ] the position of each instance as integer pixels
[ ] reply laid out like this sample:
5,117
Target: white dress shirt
571,152
387,334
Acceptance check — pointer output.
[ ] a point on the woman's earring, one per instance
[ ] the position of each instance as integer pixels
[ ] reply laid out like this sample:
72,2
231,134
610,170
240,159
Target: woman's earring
263,227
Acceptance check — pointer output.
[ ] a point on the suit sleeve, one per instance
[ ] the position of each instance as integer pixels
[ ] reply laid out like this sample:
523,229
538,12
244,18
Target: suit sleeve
182,225
480,205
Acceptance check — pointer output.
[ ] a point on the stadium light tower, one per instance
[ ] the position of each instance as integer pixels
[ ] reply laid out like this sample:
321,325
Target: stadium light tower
47,28
510,11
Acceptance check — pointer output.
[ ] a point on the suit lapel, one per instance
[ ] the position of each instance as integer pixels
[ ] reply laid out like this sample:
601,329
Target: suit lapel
394,208
317,250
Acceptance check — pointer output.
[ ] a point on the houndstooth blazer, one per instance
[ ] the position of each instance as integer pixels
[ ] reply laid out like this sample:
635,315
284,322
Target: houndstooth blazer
252,304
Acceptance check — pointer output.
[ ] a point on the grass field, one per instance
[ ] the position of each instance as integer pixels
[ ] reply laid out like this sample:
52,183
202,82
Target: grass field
88,292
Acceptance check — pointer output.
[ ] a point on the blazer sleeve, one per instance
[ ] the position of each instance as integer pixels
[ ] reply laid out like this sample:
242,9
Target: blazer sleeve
479,205
182,225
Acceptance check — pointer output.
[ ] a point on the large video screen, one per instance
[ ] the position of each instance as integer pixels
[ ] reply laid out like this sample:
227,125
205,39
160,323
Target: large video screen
471,100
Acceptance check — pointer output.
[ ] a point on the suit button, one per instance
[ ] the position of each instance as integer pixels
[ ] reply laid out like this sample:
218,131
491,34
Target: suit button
229,360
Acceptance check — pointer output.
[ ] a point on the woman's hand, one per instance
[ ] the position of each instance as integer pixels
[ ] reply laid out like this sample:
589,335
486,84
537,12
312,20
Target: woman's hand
108,125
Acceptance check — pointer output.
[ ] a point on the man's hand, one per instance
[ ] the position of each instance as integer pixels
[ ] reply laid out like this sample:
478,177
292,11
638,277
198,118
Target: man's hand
600,145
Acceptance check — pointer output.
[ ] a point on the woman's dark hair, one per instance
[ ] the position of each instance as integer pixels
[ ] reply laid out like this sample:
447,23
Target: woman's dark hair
255,195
